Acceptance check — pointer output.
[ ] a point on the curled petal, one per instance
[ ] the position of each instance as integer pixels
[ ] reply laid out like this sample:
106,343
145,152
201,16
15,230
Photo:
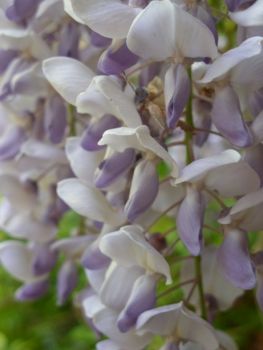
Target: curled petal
144,189
142,298
32,291
189,220
227,117
233,256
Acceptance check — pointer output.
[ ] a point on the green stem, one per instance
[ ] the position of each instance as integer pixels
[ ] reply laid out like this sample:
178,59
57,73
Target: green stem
189,121
198,273
72,120
189,159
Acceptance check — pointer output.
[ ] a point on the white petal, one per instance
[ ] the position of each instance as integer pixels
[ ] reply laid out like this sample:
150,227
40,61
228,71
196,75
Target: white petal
30,81
43,151
224,180
152,34
103,15
246,212
215,283
117,286
252,16
247,73
161,320
92,305
16,258
16,193
223,64
128,247
82,162
106,322
226,341
139,138
73,247
199,168
167,196
193,38
69,10
176,319
68,76
86,201
104,95
27,227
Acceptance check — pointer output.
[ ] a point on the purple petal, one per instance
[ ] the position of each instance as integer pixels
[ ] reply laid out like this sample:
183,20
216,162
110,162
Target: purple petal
259,292
44,260
6,56
94,132
202,120
144,189
233,4
139,3
227,117
180,95
254,157
67,281
116,59
98,40
142,298
69,40
190,218
114,167
170,346
94,259
32,291
55,119
256,102
234,259
21,10
147,74
11,142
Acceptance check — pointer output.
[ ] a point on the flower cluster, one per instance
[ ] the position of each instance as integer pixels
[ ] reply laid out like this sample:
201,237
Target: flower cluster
145,120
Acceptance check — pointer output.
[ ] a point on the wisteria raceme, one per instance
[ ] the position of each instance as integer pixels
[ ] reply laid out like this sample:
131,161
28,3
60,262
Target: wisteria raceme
144,120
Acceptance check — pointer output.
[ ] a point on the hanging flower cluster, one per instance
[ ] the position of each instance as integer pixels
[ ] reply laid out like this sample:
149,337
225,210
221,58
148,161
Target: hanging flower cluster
145,120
